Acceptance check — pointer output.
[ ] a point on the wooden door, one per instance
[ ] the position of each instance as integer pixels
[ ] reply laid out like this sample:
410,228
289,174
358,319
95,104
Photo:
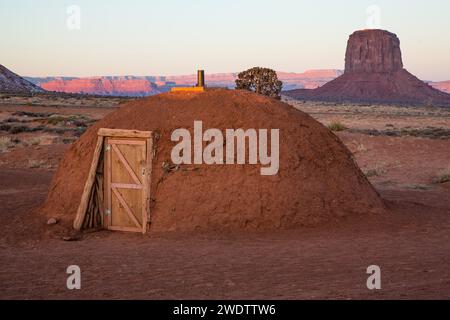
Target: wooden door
127,183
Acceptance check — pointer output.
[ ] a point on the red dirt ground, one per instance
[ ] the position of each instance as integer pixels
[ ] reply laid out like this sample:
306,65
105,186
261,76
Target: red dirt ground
411,242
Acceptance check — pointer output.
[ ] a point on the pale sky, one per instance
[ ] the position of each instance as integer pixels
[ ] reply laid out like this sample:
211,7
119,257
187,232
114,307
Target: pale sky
168,37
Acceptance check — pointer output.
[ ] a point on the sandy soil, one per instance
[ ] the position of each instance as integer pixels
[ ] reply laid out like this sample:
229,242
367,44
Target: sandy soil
410,242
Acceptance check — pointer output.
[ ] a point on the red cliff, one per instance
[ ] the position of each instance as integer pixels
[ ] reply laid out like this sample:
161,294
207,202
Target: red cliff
149,85
374,73
117,86
373,51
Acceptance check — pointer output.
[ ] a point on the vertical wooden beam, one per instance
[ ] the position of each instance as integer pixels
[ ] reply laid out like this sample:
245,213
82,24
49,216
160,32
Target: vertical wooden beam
108,198
146,192
81,212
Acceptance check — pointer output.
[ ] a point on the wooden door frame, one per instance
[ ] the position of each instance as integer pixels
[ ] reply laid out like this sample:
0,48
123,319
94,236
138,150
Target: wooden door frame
146,137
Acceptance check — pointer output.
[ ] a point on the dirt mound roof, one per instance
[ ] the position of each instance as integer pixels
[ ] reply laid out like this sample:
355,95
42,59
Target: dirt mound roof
374,73
317,178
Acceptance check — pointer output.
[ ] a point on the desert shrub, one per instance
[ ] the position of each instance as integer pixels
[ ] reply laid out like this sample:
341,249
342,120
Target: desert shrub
79,131
5,127
416,186
260,80
360,147
31,114
337,126
5,144
443,176
12,120
33,164
35,141
55,120
371,173
69,140
376,171
19,129
80,121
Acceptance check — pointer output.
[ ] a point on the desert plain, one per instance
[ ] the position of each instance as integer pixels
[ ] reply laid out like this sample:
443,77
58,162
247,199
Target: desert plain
404,151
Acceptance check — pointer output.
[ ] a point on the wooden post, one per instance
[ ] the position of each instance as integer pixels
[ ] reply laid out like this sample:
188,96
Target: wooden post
147,185
81,212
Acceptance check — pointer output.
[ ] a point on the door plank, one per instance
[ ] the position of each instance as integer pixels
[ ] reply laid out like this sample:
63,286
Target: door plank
131,142
125,229
81,212
147,184
126,164
108,199
126,207
124,133
126,186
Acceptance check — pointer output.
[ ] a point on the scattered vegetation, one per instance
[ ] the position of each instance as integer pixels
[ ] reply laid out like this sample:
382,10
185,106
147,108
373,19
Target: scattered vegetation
443,176
19,129
5,127
69,140
5,144
416,186
337,126
35,141
169,167
48,122
74,120
32,114
260,80
375,172
55,120
360,147
35,164
11,120
428,132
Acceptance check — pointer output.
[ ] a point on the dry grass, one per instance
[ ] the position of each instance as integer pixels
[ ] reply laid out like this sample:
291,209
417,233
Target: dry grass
35,141
416,186
337,126
443,176
377,171
360,147
35,164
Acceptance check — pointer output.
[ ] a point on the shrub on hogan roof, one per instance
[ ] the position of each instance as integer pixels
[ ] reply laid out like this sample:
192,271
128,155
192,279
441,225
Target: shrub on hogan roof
260,80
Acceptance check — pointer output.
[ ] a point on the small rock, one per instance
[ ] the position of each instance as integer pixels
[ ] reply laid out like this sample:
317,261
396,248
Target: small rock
52,221
75,237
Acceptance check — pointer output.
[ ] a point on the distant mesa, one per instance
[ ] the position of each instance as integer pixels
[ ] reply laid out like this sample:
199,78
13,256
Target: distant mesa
374,73
151,85
443,86
13,83
112,86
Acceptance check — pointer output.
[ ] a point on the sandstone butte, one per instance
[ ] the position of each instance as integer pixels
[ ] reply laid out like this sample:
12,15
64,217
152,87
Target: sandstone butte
374,73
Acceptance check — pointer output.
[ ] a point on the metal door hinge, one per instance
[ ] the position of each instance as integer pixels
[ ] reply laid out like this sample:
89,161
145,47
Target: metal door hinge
107,147
107,212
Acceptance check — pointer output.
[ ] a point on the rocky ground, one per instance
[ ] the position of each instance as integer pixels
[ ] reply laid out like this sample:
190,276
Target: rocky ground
405,153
